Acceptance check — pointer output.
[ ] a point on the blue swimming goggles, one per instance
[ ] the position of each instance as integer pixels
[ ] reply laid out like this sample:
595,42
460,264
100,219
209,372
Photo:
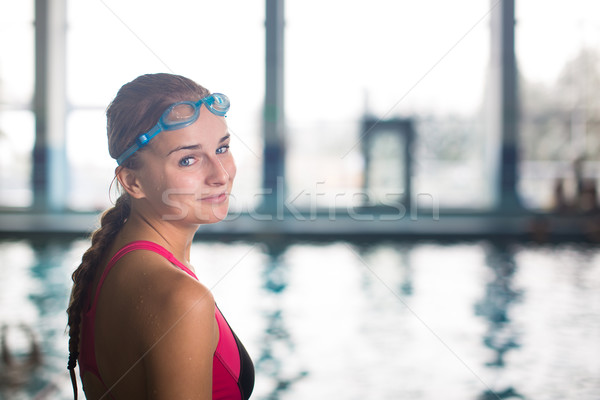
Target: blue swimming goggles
177,116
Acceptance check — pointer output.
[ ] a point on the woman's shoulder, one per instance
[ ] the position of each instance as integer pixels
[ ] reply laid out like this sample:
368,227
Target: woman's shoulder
150,272
160,294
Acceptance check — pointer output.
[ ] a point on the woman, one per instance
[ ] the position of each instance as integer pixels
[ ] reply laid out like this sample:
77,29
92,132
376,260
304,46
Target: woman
140,323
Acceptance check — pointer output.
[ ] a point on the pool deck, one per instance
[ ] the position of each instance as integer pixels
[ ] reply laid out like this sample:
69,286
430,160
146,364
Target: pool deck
331,225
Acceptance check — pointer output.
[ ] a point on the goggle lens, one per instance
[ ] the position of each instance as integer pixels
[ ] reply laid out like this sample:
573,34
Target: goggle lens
218,103
180,113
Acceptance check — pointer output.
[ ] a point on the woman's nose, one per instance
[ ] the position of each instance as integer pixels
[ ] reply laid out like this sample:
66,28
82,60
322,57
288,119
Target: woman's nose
218,174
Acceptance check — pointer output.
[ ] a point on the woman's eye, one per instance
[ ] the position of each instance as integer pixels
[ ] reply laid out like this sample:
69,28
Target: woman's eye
186,161
223,149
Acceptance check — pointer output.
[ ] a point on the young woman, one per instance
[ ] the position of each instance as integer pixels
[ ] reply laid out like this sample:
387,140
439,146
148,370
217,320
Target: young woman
141,325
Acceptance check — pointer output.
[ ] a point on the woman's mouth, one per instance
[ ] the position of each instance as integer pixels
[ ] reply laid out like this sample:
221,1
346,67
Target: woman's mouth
215,198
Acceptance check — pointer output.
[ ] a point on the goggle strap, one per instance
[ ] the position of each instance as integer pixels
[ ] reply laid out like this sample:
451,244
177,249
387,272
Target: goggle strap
127,153
144,138
140,142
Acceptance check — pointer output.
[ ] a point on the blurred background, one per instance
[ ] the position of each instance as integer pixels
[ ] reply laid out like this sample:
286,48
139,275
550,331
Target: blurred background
415,213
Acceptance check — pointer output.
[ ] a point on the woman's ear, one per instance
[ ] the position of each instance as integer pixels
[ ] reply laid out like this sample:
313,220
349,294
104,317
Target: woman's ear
130,182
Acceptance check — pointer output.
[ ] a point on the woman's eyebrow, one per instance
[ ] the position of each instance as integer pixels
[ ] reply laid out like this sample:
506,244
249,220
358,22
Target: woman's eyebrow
190,147
195,146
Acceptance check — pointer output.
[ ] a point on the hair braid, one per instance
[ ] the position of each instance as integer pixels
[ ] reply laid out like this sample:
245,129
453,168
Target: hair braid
111,222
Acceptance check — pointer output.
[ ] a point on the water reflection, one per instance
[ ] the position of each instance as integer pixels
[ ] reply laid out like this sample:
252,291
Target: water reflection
277,344
406,287
18,367
500,295
329,321
388,264
50,299
31,343
509,393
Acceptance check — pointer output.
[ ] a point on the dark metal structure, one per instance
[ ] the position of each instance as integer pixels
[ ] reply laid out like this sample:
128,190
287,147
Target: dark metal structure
373,130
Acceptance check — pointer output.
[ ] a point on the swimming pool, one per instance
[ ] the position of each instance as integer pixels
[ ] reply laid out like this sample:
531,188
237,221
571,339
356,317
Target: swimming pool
339,320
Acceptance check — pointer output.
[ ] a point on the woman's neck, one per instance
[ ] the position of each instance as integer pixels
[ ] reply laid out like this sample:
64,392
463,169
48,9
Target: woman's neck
175,237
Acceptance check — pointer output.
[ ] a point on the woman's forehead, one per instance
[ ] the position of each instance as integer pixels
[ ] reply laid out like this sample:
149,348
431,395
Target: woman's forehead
207,130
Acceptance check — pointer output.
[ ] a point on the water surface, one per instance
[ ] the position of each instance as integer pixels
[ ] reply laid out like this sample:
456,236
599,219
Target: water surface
336,320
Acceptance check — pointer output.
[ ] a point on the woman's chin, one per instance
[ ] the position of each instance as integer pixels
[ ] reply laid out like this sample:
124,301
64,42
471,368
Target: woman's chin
213,215
198,215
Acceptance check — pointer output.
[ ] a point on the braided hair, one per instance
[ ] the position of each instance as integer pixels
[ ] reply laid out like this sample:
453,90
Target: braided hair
136,108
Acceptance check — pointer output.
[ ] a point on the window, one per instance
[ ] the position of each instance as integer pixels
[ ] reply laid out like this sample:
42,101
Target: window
559,63
17,124
346,60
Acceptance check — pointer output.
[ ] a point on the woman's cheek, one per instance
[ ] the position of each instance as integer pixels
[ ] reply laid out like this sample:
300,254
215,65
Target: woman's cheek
231,169
186,184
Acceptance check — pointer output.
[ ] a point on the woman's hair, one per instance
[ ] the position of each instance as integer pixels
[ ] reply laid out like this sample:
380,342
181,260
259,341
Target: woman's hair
136,108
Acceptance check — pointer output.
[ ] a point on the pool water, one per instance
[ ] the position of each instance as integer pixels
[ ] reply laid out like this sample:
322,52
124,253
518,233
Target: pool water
338,320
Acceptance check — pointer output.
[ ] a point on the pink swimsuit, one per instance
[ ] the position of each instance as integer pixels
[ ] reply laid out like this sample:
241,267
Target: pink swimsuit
233,371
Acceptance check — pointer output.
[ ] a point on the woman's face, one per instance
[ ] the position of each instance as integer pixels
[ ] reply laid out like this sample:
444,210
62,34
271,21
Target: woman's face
187,174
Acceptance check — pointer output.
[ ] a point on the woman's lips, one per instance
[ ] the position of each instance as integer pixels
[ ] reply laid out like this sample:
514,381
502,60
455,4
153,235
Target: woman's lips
216,198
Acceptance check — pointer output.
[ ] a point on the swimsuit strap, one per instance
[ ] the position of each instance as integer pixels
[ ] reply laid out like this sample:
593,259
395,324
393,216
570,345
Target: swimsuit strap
138,245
